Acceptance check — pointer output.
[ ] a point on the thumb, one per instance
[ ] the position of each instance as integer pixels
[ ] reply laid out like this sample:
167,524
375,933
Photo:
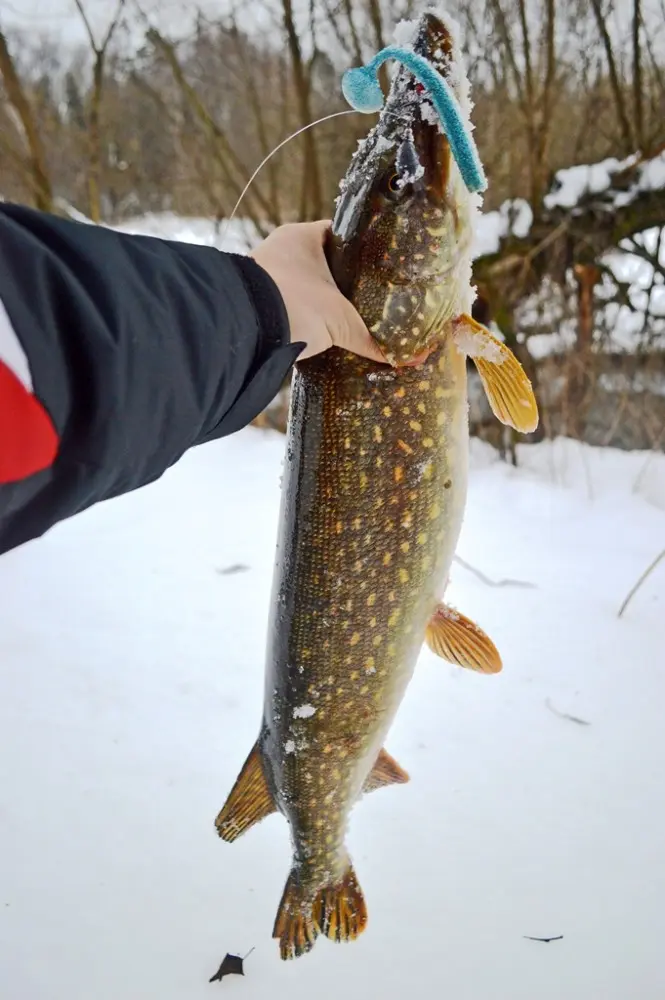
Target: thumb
349,332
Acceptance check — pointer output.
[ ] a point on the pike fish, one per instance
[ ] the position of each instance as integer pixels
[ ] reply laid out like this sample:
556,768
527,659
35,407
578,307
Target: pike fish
373,497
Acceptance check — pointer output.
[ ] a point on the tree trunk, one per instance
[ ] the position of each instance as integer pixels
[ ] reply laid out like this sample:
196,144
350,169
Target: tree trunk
41,183
312,177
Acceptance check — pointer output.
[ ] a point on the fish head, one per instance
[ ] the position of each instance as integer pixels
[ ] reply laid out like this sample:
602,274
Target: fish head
402,232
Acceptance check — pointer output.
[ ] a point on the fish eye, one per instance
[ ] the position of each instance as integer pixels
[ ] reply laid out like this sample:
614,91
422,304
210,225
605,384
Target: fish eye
394,184
395,188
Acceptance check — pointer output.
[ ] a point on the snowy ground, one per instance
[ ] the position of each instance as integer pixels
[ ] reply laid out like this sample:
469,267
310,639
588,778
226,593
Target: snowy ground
130,693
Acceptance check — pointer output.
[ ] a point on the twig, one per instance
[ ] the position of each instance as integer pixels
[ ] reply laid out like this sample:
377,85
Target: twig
639,583
528,937
565,715
494,583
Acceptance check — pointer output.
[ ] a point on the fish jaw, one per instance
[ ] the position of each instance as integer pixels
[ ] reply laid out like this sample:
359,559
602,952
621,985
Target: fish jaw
365,545
402,232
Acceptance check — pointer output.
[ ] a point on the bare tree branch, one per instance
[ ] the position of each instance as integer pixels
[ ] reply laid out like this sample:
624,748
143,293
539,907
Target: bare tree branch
650,568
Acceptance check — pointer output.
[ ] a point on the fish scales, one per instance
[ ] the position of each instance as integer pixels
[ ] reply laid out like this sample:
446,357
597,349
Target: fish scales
373,498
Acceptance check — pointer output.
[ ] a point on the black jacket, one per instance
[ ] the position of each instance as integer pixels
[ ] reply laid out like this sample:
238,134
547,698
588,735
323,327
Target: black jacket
117,354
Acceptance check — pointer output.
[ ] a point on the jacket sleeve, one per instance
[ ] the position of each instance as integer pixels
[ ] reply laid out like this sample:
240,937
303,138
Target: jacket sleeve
118,353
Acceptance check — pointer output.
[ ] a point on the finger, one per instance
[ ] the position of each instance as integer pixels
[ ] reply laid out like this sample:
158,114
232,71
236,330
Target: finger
352,334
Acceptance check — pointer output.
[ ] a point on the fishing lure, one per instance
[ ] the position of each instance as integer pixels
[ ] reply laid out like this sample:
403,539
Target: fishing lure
363,92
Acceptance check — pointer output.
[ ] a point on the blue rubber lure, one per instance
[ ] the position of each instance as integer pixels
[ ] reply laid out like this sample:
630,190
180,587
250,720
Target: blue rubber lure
362,91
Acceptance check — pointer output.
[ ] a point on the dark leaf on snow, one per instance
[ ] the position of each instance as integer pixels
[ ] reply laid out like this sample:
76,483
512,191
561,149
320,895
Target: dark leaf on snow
231,966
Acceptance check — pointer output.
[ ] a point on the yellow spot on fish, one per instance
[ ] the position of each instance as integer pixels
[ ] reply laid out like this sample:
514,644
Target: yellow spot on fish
354,675
387,411
369,663
399,473
391,648
306,653
405,447
363,480
378,433
379,461
364,689
327,749
377,640
422,537
336,773
394,617
439,392
407,520
339,527
400,392
347,443
378,502
357,523
434,511
415,330
403,576
358,565
372,622
404,546
421,408
428,443
427,562
387,559
355,639
391,596
371,600
415,426
428,471
440,419
329,838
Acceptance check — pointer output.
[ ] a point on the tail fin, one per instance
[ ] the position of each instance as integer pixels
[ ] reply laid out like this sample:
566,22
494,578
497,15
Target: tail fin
338,911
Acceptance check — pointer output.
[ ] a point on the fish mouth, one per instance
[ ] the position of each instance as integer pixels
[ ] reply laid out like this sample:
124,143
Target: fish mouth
408,133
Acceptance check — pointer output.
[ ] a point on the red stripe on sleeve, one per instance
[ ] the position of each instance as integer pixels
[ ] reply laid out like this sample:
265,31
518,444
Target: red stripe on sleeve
28,439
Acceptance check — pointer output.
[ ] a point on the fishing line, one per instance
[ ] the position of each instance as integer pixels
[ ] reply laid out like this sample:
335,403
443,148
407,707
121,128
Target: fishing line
294,135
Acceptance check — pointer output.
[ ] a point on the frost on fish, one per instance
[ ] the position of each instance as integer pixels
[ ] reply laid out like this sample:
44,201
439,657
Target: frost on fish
475,344
303,711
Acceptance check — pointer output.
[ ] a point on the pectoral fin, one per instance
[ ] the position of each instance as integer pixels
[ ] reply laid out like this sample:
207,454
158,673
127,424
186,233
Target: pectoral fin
250,800
508,389
386,771
455,638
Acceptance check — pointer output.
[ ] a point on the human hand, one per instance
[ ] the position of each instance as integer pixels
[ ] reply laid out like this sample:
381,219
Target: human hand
319,315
